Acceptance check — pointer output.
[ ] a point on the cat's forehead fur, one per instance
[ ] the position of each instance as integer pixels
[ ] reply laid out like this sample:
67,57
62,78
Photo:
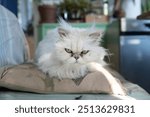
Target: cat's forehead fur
63,24
78,38
76,43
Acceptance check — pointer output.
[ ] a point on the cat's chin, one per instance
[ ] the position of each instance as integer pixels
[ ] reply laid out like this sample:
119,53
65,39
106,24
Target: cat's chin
78,62
75,63
71,61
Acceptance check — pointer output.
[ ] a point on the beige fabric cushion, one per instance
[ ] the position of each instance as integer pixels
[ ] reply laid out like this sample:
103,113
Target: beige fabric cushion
27,77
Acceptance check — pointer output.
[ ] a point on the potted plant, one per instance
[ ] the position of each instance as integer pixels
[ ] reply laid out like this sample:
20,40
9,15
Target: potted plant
73,10
47,10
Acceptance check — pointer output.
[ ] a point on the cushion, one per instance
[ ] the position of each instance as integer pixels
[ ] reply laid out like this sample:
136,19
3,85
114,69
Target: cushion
27,77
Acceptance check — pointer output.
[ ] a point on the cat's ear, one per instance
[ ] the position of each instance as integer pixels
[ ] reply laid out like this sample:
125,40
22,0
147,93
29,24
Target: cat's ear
95,35
62,32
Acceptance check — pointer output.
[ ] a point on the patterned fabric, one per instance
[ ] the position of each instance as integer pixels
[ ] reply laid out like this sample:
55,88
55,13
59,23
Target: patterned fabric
13,45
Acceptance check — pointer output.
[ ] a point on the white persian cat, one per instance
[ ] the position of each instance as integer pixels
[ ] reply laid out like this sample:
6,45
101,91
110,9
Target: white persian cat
68,52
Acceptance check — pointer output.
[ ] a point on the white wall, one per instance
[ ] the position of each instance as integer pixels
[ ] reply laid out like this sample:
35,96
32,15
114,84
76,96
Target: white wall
132,8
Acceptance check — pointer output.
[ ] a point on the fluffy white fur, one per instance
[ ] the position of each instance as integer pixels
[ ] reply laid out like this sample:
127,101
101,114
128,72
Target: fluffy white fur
60,54
52,58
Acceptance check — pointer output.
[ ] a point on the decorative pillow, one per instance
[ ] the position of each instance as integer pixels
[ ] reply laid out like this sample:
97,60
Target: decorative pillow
27,77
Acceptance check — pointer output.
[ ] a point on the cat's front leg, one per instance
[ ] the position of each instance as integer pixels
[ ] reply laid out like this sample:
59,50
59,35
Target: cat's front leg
72,72
62,74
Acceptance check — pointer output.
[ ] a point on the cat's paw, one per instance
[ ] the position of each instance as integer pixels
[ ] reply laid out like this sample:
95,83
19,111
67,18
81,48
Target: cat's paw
73,73
93,66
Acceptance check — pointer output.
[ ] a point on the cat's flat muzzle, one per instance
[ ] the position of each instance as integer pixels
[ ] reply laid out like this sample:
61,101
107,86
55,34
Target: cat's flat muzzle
76,56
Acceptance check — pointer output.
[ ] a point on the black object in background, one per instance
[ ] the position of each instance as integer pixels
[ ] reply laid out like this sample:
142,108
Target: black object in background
135,51
11,5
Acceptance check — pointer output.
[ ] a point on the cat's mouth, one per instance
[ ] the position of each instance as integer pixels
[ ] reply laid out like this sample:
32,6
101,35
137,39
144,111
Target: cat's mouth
76,62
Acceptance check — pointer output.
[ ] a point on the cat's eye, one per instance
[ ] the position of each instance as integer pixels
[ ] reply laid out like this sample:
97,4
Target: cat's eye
84,52
68,50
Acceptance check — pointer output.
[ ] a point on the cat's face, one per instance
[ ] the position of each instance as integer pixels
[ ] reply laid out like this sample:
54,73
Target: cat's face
77,47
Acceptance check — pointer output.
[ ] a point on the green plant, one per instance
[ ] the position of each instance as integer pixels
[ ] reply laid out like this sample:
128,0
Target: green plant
75,9
70,6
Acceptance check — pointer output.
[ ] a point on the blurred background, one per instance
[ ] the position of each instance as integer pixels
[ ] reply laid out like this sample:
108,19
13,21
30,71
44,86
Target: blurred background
125,22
